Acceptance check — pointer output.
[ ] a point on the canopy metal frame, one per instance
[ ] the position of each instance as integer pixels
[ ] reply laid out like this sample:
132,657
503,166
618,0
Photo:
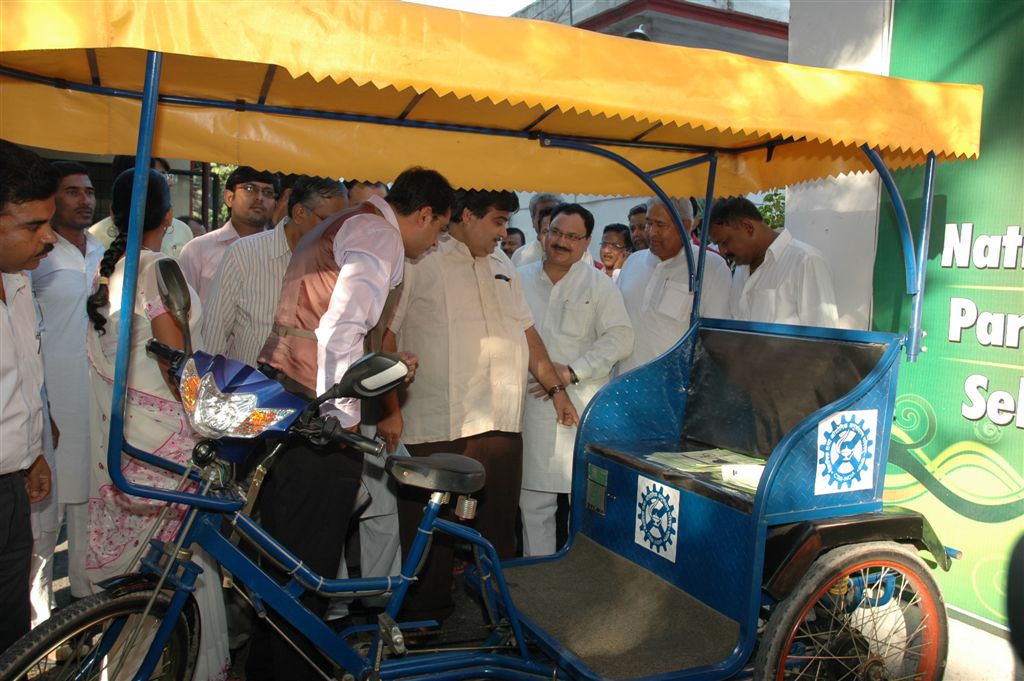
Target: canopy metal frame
915,255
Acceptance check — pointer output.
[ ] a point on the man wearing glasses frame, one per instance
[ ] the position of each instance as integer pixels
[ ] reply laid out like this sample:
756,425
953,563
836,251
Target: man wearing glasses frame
251,195
244,293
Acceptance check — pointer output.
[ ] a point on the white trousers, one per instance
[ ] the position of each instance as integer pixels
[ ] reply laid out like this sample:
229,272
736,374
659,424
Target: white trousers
44,546
538,511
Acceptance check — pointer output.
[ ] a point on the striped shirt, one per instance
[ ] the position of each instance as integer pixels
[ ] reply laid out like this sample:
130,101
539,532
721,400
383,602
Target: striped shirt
244,294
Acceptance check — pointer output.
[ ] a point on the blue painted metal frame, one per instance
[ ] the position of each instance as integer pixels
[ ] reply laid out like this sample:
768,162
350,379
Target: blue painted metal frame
914,334
606,420
461,665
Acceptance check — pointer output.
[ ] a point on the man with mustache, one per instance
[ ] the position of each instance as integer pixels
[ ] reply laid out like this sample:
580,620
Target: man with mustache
583,322
778,278
638,226
27,186
462,312
655,283
61,284
251,195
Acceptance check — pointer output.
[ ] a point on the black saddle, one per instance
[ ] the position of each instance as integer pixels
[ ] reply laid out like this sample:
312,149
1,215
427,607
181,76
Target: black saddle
438,472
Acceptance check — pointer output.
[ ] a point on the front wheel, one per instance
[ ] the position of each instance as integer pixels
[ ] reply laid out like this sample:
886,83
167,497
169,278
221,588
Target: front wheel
92,639
864,612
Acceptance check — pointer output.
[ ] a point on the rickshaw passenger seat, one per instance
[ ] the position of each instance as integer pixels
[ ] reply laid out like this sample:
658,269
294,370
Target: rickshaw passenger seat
747,390
439,472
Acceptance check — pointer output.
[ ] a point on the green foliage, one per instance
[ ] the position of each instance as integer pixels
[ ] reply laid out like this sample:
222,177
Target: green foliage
774,208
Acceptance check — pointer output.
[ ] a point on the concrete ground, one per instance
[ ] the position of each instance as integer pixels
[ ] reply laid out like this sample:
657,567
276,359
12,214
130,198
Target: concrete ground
974,654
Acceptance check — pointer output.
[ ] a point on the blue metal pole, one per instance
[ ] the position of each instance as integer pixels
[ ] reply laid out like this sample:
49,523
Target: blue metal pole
901,216
147,125
644,177
705,224
914,334
682,165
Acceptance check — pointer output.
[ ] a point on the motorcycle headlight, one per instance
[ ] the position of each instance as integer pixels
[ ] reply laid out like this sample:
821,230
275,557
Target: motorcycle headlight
216,414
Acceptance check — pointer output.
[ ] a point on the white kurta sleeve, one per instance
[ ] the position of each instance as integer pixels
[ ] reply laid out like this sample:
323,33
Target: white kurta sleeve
614,335
714,297
816,297
354,309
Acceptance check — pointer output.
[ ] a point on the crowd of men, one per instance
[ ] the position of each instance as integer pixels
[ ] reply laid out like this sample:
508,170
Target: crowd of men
506,343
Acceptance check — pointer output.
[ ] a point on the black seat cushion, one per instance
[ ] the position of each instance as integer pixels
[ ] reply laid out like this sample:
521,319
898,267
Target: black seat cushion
438,472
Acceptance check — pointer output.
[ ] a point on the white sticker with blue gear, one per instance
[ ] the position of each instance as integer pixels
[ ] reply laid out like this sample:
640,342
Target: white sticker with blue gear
657,517
846,452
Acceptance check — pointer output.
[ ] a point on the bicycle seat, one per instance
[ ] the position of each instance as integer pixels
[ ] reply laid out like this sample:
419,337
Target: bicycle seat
438,472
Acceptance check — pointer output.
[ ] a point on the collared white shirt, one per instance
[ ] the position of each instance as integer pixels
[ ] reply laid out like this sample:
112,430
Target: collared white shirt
582,319
201,256
659,301
244,295
531,252
792,286
371,255
177,235
465,319
583,323
61,284
21,377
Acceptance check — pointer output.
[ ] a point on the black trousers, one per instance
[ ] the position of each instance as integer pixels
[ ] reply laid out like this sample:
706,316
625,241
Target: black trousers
306,504
15,559
502,456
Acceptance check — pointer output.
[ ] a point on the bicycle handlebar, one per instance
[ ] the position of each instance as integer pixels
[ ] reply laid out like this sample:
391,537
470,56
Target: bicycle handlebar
329,431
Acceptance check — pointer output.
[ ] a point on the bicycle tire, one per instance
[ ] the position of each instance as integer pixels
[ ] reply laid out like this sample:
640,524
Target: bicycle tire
65,645
862,611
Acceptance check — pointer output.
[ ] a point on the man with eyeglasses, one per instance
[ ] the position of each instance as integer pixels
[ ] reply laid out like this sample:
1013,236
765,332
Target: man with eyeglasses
616,245
580,316
655,284
244,292
251,195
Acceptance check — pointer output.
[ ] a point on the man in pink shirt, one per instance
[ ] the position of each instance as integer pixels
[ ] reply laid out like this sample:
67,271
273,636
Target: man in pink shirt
251,195
334,292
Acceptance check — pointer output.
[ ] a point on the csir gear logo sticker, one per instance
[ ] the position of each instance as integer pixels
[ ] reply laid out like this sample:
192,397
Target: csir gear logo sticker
846,452
657,517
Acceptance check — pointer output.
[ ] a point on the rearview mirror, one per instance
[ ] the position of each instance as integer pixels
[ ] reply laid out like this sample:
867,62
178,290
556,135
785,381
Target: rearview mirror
175,293
370,375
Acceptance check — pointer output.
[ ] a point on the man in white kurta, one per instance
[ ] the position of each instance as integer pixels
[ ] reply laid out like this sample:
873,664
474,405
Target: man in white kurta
580,316
778,278
534,251
61,284
251,195
655,286
462,312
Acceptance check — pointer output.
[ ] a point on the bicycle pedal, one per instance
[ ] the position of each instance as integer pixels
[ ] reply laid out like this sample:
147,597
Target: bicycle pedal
391,634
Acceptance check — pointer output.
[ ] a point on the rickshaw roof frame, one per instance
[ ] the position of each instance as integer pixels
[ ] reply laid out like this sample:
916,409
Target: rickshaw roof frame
137,25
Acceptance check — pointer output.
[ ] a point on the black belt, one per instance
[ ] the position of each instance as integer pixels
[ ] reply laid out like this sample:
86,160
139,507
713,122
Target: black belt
11,475
289,383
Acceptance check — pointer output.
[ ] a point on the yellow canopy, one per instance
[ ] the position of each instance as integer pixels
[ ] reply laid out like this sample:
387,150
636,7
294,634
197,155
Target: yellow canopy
400,61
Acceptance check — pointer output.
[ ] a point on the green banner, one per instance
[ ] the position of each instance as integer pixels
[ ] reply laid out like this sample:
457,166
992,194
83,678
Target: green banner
957,451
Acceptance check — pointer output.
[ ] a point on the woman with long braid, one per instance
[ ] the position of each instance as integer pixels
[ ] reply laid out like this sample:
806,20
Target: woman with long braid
153,421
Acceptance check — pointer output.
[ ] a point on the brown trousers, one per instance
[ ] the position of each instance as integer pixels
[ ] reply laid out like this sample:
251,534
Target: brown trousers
502,456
